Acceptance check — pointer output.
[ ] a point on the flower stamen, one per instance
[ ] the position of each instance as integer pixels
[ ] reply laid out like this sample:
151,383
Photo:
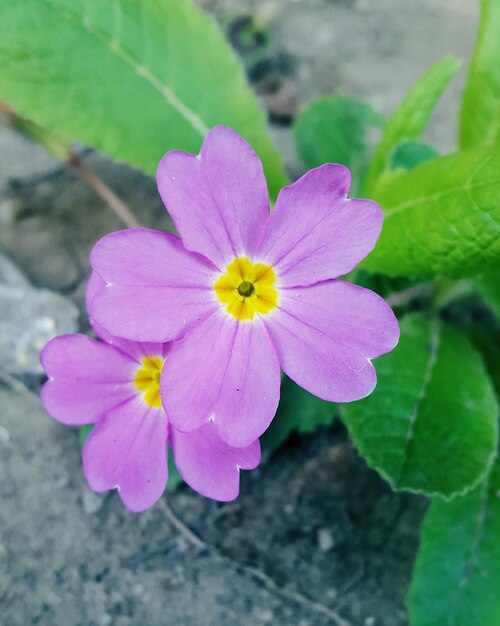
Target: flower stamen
247,289
147,380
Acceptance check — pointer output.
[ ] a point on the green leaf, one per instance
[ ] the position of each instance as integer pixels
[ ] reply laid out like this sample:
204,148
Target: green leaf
410,154
485,337
174,478
298,411
134,78
410,119
442,217
480,113
430,426
84,432
489,287
456,580
335,130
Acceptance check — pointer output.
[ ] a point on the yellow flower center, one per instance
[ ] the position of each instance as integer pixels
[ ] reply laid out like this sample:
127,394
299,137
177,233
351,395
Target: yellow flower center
147,379
247,288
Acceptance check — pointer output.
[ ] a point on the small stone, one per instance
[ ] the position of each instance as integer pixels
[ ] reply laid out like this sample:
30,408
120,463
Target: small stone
331,593
138,589
325,539
369,621
8,210
29,318
10,275
4,436
92,502
265,616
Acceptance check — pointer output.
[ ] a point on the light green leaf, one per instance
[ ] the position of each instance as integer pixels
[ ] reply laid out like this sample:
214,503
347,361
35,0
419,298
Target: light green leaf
134,78
456,580
410,119
442,217
489,287
411,153
480,113
336,130
430,426
298,411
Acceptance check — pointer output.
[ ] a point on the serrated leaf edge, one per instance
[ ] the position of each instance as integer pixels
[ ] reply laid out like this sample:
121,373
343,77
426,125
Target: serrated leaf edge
430,494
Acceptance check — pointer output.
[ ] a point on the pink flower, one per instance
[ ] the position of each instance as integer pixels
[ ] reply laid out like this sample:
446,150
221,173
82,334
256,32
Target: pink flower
245,291
114,384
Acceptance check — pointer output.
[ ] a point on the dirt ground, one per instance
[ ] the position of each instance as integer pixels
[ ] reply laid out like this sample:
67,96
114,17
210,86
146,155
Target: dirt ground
316,538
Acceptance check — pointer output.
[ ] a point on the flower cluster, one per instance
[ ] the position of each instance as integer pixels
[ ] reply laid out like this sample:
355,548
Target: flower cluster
195,329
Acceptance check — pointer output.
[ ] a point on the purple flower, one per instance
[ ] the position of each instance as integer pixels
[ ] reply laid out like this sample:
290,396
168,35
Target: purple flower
245,291
115,384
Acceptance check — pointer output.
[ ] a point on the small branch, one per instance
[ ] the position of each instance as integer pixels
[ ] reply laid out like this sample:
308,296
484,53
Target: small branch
447,290
12,382
293,596
268,583
120,209
401,298
60,148
179,525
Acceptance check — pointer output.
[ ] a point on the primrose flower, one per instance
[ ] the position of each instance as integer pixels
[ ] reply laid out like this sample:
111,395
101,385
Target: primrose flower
246,291
115,384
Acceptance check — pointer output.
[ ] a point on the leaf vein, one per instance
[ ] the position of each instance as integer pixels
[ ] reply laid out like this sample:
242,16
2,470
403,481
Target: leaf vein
140,70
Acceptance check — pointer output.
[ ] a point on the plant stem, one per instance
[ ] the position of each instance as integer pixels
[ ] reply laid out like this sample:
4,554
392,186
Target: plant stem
120,209
446,290
402,298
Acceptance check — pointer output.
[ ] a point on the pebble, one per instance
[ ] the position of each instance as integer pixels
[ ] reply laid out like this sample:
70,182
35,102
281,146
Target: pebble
29,318
325,539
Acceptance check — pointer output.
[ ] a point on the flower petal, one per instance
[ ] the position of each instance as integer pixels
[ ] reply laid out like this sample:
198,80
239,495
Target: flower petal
127,450
134,349
154,289
218,200
210,466
223,371
86,379
325,335
315,233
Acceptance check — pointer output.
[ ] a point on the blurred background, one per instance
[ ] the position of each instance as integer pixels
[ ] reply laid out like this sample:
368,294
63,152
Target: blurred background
315,538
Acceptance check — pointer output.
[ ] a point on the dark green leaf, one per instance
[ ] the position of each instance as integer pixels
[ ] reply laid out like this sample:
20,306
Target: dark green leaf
485,337
174,478
456,581
431,424
411,153
298,411
84,432
489,287
336,130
